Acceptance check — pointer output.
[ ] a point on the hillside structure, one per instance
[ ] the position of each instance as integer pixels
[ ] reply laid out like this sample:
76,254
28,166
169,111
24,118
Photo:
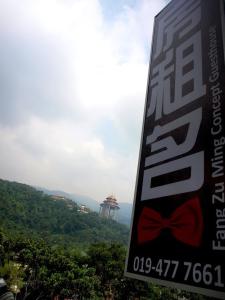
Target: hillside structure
109,208
83,209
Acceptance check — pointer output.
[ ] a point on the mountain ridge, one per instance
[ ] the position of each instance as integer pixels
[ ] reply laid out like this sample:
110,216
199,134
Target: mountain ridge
26,209
124,214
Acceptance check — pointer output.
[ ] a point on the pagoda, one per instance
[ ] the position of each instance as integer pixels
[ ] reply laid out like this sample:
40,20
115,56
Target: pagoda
109,208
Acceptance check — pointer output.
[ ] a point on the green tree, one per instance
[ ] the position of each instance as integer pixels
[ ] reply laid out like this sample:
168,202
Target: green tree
13,273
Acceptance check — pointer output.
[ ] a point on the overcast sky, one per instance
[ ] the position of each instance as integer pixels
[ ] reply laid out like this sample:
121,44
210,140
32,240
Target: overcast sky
73,76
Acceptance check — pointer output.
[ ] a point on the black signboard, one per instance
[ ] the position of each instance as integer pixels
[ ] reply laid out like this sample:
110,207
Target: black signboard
178,231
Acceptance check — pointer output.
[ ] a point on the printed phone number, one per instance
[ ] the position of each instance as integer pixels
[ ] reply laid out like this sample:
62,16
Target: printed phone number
197,272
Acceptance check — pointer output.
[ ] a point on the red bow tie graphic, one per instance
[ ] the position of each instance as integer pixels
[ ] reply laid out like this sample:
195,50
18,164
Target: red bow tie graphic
185,223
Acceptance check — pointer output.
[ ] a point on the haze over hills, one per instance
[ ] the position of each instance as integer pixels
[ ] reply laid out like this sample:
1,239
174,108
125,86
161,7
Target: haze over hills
124,214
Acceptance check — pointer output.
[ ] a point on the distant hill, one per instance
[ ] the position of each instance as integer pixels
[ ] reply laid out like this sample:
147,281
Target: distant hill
79,199
25,209
124,214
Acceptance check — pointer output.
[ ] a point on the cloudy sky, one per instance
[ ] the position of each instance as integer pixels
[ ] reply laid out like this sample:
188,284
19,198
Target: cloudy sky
73,77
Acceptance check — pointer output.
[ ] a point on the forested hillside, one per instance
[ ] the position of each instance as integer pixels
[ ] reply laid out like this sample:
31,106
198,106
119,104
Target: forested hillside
49,250
124,213
23,208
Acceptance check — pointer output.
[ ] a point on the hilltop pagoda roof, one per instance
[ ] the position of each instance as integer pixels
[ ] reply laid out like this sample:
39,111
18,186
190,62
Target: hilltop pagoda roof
111,201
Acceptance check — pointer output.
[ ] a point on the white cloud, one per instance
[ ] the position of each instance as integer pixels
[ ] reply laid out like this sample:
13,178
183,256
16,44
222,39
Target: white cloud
66,73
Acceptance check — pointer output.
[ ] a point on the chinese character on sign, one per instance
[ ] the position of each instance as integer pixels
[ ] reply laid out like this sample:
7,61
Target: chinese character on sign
176,81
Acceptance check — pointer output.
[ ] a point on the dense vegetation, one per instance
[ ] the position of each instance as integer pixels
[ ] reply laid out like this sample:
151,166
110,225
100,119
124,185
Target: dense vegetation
24,209
35,270
57,259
